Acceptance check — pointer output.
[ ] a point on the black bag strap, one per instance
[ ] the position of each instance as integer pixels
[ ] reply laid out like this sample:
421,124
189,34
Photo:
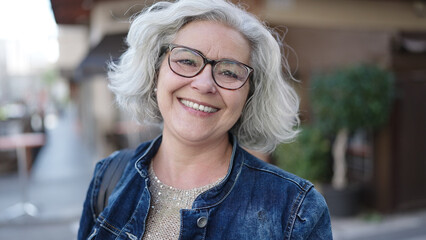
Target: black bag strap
112,175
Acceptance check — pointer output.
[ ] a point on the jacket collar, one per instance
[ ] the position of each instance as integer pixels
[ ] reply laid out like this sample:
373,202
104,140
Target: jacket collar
211,197
147,151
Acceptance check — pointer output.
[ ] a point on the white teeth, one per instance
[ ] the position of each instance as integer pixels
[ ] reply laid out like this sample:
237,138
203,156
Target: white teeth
198,107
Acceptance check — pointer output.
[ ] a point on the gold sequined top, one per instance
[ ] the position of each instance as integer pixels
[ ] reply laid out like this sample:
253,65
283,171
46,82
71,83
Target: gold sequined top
164,217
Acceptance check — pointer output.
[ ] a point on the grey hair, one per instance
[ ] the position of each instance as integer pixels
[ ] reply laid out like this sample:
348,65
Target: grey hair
270,115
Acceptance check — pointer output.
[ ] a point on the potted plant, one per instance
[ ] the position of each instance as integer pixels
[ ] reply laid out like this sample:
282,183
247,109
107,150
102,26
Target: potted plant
308,156
344,101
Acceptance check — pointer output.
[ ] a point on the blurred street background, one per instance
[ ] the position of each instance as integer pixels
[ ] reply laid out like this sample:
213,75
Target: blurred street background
362,71
57,187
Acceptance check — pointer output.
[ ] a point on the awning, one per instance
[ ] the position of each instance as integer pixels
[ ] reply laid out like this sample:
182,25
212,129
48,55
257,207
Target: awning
109,49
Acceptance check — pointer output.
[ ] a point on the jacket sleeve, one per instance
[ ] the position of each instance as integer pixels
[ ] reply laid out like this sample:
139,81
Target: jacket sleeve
88,216
313,218
322,229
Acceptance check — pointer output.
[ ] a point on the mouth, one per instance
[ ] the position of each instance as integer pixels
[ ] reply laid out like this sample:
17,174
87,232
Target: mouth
198,107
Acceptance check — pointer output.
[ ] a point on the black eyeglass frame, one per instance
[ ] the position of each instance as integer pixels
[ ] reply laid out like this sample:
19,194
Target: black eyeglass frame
211,62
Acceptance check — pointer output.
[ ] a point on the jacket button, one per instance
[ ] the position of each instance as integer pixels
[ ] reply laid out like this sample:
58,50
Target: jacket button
201,222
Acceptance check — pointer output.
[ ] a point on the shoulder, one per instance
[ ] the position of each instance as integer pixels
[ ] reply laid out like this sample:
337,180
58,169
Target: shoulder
272,172
128,155
312,220
307,209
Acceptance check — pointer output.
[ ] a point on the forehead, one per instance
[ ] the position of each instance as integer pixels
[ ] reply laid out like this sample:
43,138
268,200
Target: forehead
215,40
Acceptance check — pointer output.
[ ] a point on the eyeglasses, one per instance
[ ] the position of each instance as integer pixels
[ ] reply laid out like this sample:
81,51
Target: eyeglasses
227,74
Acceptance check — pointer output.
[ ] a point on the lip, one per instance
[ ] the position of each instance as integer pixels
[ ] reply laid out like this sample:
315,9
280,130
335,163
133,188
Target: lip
200,103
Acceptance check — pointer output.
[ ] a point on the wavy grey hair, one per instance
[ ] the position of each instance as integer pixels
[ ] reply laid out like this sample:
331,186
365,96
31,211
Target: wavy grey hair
270,115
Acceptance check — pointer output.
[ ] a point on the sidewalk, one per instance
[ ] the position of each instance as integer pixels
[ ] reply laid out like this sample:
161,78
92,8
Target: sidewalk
57,187
406,226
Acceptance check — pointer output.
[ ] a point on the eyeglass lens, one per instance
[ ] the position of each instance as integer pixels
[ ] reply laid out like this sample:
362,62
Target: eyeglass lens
226,73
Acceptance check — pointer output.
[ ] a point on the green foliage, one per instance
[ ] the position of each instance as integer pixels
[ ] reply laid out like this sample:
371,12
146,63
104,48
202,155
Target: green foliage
307,157
352,98
3,115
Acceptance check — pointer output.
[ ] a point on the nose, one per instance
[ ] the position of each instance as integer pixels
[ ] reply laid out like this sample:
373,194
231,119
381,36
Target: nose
204,81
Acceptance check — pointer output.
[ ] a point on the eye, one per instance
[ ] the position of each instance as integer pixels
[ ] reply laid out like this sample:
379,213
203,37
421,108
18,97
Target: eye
185,59
187,62
230,74
230,71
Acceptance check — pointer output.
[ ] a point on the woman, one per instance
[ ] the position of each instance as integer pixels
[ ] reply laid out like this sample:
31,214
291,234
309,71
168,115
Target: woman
212,75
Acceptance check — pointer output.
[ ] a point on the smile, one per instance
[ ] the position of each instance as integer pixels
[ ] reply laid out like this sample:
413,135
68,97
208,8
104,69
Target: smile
198,107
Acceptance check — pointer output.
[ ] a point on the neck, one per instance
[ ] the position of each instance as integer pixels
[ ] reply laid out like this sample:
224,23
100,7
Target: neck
185,166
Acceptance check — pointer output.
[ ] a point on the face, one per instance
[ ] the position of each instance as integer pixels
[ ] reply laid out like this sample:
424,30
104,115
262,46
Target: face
196,110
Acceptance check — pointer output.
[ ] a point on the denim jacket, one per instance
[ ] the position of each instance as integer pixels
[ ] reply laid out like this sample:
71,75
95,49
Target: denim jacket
255,200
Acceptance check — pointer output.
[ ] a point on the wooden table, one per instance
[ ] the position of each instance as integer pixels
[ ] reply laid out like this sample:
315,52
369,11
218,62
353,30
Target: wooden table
22,144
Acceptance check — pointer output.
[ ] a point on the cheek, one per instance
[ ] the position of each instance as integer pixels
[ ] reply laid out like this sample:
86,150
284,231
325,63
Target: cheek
244,95
165,81
162,72
237,100
161,85
168,81
243,98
